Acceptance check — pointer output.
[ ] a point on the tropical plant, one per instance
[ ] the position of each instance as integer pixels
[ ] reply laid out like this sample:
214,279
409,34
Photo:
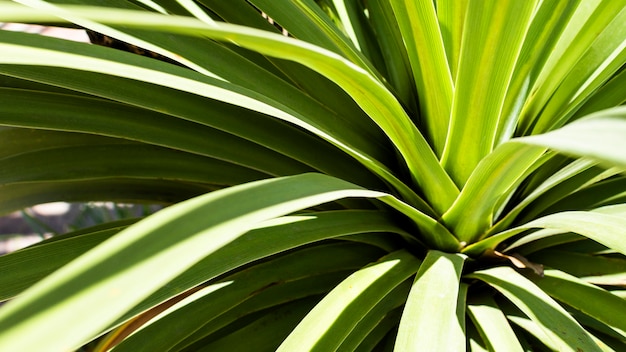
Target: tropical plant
359,175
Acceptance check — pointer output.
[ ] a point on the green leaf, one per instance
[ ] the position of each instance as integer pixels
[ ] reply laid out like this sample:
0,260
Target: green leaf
354,21
553,320
140,124
589,299
420,30
534,330
389,308
311,83
547,25
332,320
603,193
200,309
139,161
25,267
260,304
378,102
603,228
60,112
606,229
493,325
433,232
493,180
434,294
180,235
599,136
567,180
607,96
271,238
308,22
265,333
493,36
595,269
393,51
451,15
383,333
587,23
601,61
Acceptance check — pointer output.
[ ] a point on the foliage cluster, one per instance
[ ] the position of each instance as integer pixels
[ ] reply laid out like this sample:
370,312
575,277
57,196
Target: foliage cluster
366,175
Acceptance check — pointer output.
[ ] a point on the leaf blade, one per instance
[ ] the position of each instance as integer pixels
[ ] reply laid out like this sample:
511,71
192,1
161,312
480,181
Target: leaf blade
434,292
494,32
553,320
77,286
331,321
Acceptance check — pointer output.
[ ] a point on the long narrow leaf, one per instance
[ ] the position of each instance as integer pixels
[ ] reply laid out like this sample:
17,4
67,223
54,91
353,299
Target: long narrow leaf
139,161
180,236
493,325
434,293
599,136
418,24
589,299
548,23
52,111
23,268
533,329
268,331
269,239
451,15
539,307
604,58
385,110
606,229
588,21
352,17
314,85
567,180
330,322
595,269
195,312
385,309
492,180
493,36
609,95
307,21
394,54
